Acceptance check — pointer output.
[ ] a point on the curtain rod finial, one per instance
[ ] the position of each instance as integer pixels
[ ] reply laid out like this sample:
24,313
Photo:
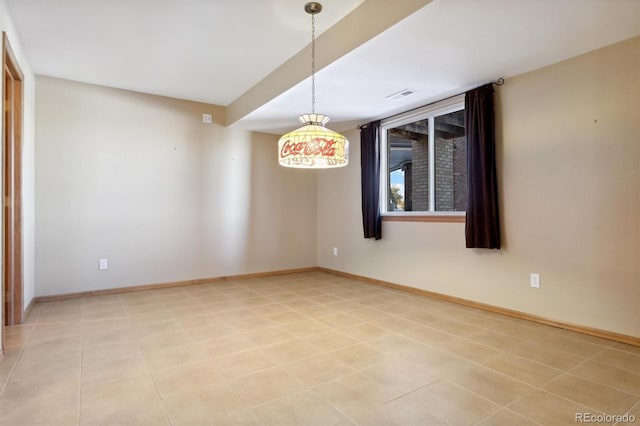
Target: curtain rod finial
499,82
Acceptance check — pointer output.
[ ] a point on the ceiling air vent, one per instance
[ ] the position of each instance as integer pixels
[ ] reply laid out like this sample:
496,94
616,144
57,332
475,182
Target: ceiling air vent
401,94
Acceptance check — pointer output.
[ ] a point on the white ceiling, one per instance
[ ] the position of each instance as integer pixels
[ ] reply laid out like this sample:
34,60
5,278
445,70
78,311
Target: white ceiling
215,50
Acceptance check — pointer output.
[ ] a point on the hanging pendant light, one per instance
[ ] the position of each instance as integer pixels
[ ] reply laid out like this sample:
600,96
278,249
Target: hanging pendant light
313,146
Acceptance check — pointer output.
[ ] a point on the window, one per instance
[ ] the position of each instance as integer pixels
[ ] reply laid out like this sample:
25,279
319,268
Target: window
424,163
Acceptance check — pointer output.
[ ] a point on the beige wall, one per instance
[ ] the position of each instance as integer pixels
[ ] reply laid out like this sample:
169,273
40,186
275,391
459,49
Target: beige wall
28,168
141,181
569,176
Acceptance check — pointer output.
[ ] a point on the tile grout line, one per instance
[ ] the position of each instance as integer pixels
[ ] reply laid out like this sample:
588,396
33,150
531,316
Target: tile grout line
569,371
479,422
13,367
146,364
539,388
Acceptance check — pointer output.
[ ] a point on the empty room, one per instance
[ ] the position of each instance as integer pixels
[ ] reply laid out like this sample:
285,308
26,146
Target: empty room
346,212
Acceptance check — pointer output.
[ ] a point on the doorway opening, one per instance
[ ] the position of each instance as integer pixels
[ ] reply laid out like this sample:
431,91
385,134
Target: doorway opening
12,85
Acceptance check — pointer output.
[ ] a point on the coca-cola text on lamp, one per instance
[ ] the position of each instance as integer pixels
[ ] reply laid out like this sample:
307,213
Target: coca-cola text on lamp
313,146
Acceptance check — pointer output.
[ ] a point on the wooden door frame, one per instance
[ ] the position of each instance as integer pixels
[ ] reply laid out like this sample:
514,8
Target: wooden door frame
12,117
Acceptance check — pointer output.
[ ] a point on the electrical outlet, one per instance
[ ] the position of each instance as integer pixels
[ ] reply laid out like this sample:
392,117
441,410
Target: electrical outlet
104,264
534,280
207,118
335,251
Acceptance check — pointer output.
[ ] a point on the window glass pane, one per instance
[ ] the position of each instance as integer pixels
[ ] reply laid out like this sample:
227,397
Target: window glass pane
408,167
450,162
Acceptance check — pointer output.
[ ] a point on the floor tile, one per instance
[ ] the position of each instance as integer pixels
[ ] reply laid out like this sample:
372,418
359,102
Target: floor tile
318,369
553,358
146,413
198,319
286,317
290,351
519,330
421,316
481,320
268,336
120,336
490,384
428,335
548,409
621,359
266,385
507,418
302,349
53,345
525,370
591,394
41,386
156,328
305,328
365,332
225,345
270,308
368,314
52,409
496,340
107,351
339,320
240,364
217,404
626,348
468,349
117,399
457,328
438,362
185,378
585,338
114,369
401,375
360,356
451,404
398,412
90,328
305,408
599,372
561,341
330,340
166,340
39,363
355,392
395,324
397,345
209,331
159,359
17,336
49,332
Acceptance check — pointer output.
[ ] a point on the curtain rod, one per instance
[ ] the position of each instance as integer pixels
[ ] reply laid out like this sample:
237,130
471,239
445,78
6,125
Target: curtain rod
498,82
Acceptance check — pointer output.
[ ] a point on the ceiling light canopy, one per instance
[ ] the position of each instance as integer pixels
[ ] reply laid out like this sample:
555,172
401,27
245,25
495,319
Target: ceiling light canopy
313,146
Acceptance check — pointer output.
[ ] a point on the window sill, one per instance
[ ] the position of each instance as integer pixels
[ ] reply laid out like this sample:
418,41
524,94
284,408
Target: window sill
425,218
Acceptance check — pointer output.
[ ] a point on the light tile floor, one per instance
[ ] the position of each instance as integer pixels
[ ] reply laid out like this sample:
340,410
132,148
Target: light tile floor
302,349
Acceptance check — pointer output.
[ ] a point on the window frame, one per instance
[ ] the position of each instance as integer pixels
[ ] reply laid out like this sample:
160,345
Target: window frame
430,112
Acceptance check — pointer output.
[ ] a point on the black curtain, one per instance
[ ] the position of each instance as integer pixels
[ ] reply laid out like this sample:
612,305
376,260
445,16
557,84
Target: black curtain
370,164
483,220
